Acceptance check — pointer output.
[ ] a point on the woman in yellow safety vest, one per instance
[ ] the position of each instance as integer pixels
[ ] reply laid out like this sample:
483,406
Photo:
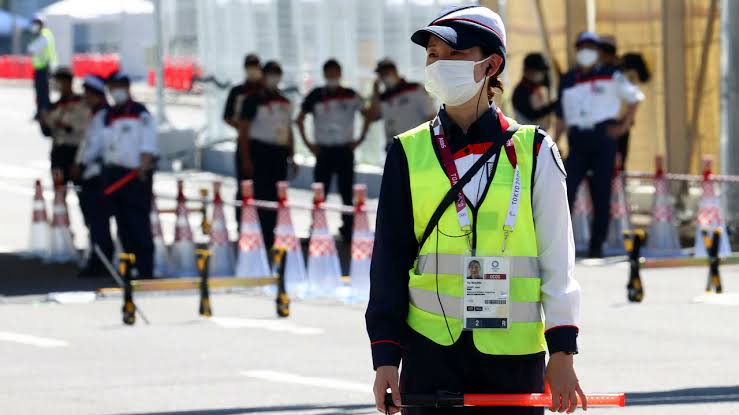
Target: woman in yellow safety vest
472,192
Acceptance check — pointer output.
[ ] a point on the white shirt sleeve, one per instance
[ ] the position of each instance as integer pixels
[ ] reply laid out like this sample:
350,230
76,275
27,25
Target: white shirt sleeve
37,45
92,147
149,142
628,92
560,291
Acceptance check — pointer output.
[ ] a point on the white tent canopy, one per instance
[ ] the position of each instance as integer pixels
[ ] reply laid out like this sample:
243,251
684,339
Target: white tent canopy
91,9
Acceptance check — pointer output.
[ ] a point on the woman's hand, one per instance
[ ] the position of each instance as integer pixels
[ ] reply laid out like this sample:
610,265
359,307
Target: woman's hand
565,388
386,377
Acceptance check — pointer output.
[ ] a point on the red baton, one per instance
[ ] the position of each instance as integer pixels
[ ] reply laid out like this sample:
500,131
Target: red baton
120,183
451,400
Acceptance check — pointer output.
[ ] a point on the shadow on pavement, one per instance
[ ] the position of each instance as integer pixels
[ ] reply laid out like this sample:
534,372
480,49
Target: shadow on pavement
330,410
716,394
28,276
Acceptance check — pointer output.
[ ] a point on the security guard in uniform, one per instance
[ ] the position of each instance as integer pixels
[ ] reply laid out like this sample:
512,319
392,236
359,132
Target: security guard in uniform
43,57
232,113
94,205
66,121
402,104
266,126
495,180
333,108
591,98
127,143
531,103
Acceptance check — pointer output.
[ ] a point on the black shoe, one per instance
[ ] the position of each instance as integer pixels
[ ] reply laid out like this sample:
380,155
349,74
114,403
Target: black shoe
92,272
595,252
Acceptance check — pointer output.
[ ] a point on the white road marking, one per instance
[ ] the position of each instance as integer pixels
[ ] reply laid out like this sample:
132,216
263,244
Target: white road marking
718,299
269,325
326,383
31,340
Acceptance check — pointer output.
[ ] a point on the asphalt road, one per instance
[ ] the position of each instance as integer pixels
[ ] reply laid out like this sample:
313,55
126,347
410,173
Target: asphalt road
673,354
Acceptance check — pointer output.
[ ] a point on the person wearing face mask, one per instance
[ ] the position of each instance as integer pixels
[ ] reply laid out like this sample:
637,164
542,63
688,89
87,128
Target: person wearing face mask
43,57
402,104
266,133
232,113
126,141
596,106
334,108
469,186
94,205
531,103
66,120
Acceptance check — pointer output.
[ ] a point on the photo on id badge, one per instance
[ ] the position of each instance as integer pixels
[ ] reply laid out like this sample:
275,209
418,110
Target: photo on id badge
486,290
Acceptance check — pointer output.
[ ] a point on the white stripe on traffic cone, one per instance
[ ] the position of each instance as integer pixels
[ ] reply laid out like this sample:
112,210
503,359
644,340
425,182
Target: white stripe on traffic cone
662,237
40,239
183,249
710,217
221,262
324,269
581,217
62,247
161,256
363,241
295,278
252,258
619,213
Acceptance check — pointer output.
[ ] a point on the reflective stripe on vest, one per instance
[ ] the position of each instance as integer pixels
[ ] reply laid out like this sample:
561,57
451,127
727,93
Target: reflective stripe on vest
521,312
521,266
438,268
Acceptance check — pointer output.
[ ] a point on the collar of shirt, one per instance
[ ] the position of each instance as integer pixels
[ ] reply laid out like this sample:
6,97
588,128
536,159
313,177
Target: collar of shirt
483,132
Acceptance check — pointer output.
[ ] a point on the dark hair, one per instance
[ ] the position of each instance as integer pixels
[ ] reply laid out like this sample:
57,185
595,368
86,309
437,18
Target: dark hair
635,61
251,60
494,83
272,67
331,64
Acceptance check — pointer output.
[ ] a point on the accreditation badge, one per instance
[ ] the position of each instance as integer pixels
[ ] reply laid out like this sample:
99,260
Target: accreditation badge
283,135
486,286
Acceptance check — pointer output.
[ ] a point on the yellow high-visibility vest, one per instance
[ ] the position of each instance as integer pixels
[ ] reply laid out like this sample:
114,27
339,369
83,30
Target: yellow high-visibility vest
429,184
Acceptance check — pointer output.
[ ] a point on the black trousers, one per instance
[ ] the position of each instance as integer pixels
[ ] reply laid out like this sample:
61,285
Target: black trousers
270,167
428,367
339,161
96,212
592,150
62,158
131,205
41,87
623,147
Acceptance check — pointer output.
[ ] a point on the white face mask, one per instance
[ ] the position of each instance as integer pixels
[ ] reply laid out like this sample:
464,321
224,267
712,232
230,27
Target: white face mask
389,81
271,81
453,81
586,57
120,96
35,28
332,83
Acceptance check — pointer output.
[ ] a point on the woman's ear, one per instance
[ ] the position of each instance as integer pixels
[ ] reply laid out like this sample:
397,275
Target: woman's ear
494,63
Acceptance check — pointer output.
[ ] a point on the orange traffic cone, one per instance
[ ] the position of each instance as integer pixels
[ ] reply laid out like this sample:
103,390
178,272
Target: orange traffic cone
62,247
324,269
710,217
183,249
40,240
581,216
161,256
662,237
221,262
619,213
295,278
252,258
363,241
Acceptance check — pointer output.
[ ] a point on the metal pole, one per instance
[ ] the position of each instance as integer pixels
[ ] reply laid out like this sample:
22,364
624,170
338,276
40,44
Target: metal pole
729,101
159,52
